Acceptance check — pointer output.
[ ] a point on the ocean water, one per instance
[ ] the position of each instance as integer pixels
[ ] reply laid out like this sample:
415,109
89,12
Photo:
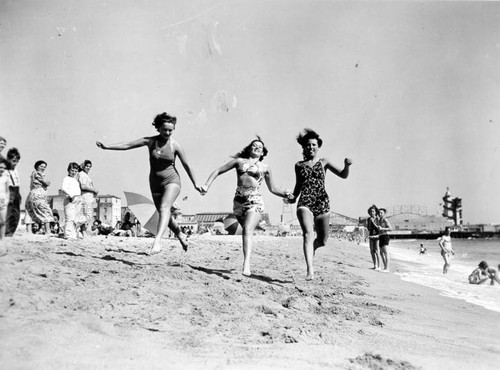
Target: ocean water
427,269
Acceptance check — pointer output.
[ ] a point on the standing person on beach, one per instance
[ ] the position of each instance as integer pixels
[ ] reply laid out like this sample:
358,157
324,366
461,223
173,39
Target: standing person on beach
14,208
37,204
4,198
3,144
373,235
248,204
313,207
164,179
73,203
446,248
384,226
89,194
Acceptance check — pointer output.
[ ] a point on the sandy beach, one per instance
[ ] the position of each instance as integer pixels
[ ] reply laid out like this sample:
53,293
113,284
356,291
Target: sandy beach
103,303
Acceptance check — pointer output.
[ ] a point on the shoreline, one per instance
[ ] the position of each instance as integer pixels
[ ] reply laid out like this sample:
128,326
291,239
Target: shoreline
103,303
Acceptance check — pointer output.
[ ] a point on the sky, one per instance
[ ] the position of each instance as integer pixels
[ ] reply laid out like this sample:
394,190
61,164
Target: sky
409,91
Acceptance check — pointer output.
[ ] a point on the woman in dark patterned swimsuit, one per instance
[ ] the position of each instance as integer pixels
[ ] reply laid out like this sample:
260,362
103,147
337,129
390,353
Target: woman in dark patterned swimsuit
164,180
313,207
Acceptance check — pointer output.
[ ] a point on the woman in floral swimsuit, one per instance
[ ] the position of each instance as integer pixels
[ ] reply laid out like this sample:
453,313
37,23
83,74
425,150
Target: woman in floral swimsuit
313,207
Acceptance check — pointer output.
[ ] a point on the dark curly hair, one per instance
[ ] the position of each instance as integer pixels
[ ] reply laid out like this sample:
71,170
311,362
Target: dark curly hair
38,163
245,152
162,118
373,206
13,153
73,166
306,135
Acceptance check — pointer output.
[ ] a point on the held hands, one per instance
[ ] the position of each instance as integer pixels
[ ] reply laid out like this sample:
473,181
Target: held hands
289,197
202,189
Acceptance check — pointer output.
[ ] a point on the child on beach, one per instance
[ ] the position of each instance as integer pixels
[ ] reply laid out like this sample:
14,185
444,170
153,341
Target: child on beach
313,207
446,249
483,273
384,226
422,249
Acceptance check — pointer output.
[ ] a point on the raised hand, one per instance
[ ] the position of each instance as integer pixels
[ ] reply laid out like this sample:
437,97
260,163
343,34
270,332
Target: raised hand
348,161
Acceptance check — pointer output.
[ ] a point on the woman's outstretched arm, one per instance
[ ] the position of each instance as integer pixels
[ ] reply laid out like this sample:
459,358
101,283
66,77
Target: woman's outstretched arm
219,171
125,145
182,156
273,188
297,187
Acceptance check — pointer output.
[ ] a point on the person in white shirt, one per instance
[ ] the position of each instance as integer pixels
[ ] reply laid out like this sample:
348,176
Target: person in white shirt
73,202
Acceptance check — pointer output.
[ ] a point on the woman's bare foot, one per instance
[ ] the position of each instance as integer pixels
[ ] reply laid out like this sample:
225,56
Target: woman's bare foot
309,277
155,249
184,240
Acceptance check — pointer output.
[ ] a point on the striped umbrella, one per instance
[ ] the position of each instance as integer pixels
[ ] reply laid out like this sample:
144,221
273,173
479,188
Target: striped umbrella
144,210
232,225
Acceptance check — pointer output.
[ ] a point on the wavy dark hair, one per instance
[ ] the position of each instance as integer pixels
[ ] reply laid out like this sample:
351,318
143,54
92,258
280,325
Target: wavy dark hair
162,118
73,165
306,135
13,153
373,206
245,152
38,163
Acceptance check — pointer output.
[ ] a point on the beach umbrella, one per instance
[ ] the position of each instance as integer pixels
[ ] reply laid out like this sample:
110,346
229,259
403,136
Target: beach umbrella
232,225
144,210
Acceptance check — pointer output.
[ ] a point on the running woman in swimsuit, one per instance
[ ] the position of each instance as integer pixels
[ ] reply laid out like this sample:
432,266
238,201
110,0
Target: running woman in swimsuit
164,179
248,204
313,208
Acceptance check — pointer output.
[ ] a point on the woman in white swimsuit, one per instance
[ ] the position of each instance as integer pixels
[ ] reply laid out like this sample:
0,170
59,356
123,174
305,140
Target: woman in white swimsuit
248,204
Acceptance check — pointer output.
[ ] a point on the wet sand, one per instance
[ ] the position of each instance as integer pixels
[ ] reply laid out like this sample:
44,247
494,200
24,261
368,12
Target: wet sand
104,303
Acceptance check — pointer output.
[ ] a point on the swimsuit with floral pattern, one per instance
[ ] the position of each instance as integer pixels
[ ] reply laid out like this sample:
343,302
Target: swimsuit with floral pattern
313,194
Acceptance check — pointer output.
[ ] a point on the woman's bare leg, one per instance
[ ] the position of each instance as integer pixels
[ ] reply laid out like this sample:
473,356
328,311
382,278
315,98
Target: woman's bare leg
249,222
374,253
322,224
163,205
306,221
172,225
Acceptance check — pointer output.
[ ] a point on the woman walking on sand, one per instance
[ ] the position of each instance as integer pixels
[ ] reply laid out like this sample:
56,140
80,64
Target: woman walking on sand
446,249
313,207
37,205
164,180
248,204
373,235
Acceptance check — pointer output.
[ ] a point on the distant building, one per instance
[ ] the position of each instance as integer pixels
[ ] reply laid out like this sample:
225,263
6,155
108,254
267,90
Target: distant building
408,222
108,209
339,222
